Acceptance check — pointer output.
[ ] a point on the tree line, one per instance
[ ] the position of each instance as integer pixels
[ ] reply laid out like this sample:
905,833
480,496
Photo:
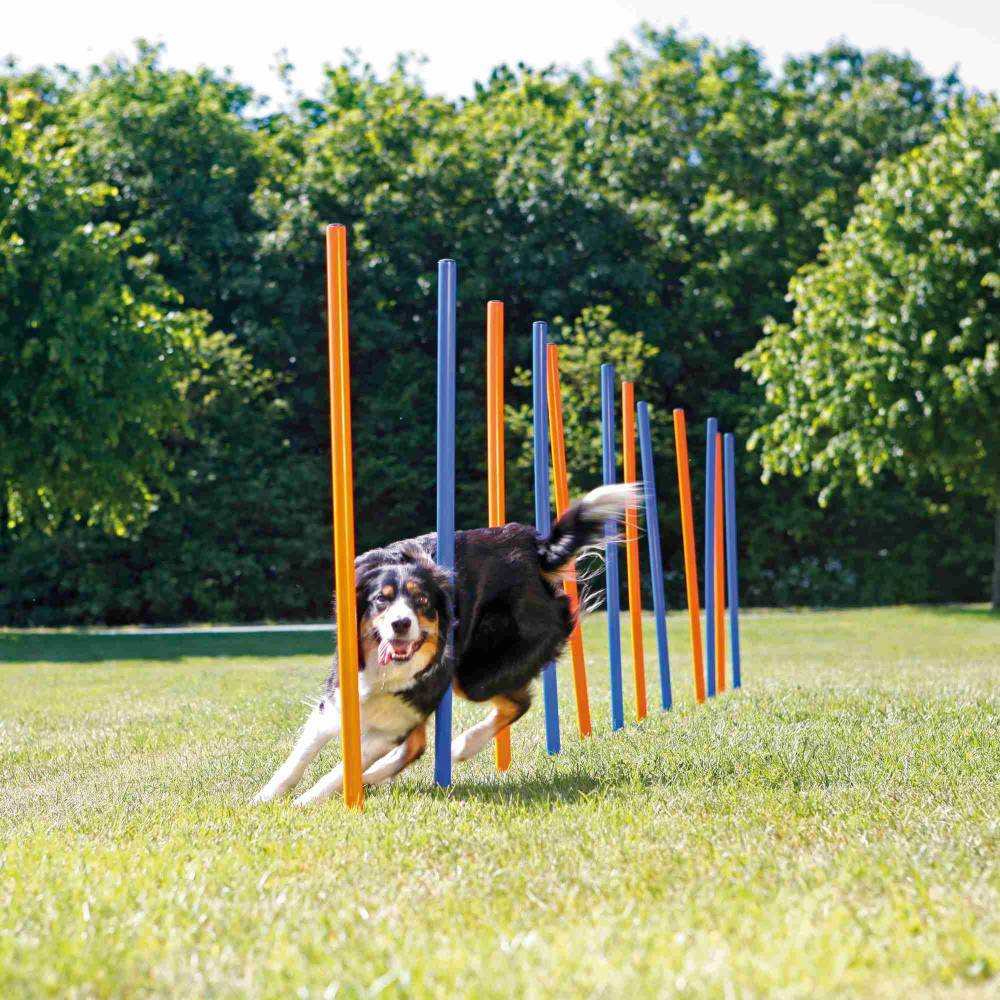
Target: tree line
164,442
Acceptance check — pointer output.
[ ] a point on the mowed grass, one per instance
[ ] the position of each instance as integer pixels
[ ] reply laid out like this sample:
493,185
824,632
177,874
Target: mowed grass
831,830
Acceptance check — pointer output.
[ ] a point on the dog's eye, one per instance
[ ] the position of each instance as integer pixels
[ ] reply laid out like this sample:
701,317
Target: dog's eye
421,601
380,602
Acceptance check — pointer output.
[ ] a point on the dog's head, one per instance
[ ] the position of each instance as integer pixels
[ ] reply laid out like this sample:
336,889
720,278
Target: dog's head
404,609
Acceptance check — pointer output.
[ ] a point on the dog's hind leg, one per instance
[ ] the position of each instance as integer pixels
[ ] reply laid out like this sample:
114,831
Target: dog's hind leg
332,783
399,759
507,709
321,727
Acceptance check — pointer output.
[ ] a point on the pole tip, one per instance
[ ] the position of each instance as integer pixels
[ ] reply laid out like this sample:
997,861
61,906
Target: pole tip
334,226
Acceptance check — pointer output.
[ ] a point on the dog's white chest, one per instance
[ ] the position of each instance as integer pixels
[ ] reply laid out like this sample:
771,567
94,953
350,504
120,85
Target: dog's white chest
387,713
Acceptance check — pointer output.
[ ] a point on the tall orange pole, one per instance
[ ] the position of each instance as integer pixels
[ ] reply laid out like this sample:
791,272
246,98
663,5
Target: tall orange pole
690,566
557,445
632,552
720,575
342,476
495,484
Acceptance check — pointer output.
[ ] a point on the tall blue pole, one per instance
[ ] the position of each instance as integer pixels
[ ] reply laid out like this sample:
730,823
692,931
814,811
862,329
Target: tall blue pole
655,553
611,553
712,431
447,281
733,585
543,514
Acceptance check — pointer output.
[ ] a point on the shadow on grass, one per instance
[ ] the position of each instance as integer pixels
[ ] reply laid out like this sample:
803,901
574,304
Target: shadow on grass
17,647
529,791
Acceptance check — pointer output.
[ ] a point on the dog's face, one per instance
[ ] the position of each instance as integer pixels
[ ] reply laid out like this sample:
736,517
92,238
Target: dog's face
402,615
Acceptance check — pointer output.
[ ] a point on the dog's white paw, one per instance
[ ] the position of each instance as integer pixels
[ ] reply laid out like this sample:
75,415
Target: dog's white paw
460,749
268,793
310,798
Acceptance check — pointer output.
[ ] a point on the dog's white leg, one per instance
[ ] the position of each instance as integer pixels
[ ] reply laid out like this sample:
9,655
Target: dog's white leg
402,757
321,727
473,740
508,709
372,748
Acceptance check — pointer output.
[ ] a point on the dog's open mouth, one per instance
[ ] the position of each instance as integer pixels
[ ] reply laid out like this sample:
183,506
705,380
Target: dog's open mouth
398,650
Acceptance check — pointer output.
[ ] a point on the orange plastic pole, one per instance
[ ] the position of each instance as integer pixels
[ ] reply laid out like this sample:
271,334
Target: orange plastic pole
720,575
632,552
495,486
557,445
342,476
690,566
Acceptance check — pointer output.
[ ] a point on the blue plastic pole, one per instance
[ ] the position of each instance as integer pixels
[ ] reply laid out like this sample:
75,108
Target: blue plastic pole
712,432
543,514
729,460
447,281
611,554
655,553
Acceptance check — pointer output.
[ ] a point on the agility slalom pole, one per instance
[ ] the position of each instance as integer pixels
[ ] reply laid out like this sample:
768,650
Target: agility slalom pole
690,564
495,459
342,481
611,550
711,433
543,514
720,574
655,553
561,482
632,552
447,281
729,447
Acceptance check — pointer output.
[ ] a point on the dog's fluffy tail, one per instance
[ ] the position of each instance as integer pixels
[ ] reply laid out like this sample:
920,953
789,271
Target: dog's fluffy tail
583,524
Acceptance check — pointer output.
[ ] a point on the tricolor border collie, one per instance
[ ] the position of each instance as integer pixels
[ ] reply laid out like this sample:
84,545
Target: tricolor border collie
511,619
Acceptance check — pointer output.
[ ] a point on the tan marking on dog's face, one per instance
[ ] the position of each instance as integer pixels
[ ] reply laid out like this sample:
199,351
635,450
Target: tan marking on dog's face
421,603
389,591
423,657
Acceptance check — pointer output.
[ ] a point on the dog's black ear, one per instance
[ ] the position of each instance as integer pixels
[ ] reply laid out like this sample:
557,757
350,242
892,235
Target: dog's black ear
366,567
439,579
443,583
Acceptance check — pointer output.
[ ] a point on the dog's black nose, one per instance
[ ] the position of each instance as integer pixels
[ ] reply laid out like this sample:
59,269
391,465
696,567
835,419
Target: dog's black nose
401,625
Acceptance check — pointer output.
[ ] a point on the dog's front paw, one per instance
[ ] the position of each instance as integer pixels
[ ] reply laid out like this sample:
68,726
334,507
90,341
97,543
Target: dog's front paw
269,793
309,798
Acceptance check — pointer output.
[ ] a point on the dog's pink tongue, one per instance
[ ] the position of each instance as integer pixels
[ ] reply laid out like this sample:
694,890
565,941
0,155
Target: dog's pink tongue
385,652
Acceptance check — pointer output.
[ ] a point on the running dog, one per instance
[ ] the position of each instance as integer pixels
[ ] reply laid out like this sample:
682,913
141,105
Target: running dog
511,618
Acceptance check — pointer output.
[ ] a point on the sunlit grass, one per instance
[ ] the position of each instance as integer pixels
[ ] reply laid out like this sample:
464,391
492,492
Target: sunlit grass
833,829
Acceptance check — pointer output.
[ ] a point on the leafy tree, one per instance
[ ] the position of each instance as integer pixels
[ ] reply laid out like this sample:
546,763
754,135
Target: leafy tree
179,149
892,360
94,342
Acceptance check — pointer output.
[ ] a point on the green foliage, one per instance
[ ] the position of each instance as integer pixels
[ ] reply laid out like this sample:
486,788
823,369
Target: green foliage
592,339
892,359
237,539
675,194
94,342
184,162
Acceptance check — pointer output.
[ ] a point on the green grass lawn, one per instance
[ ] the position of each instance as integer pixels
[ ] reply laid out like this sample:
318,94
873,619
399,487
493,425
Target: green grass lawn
831,830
